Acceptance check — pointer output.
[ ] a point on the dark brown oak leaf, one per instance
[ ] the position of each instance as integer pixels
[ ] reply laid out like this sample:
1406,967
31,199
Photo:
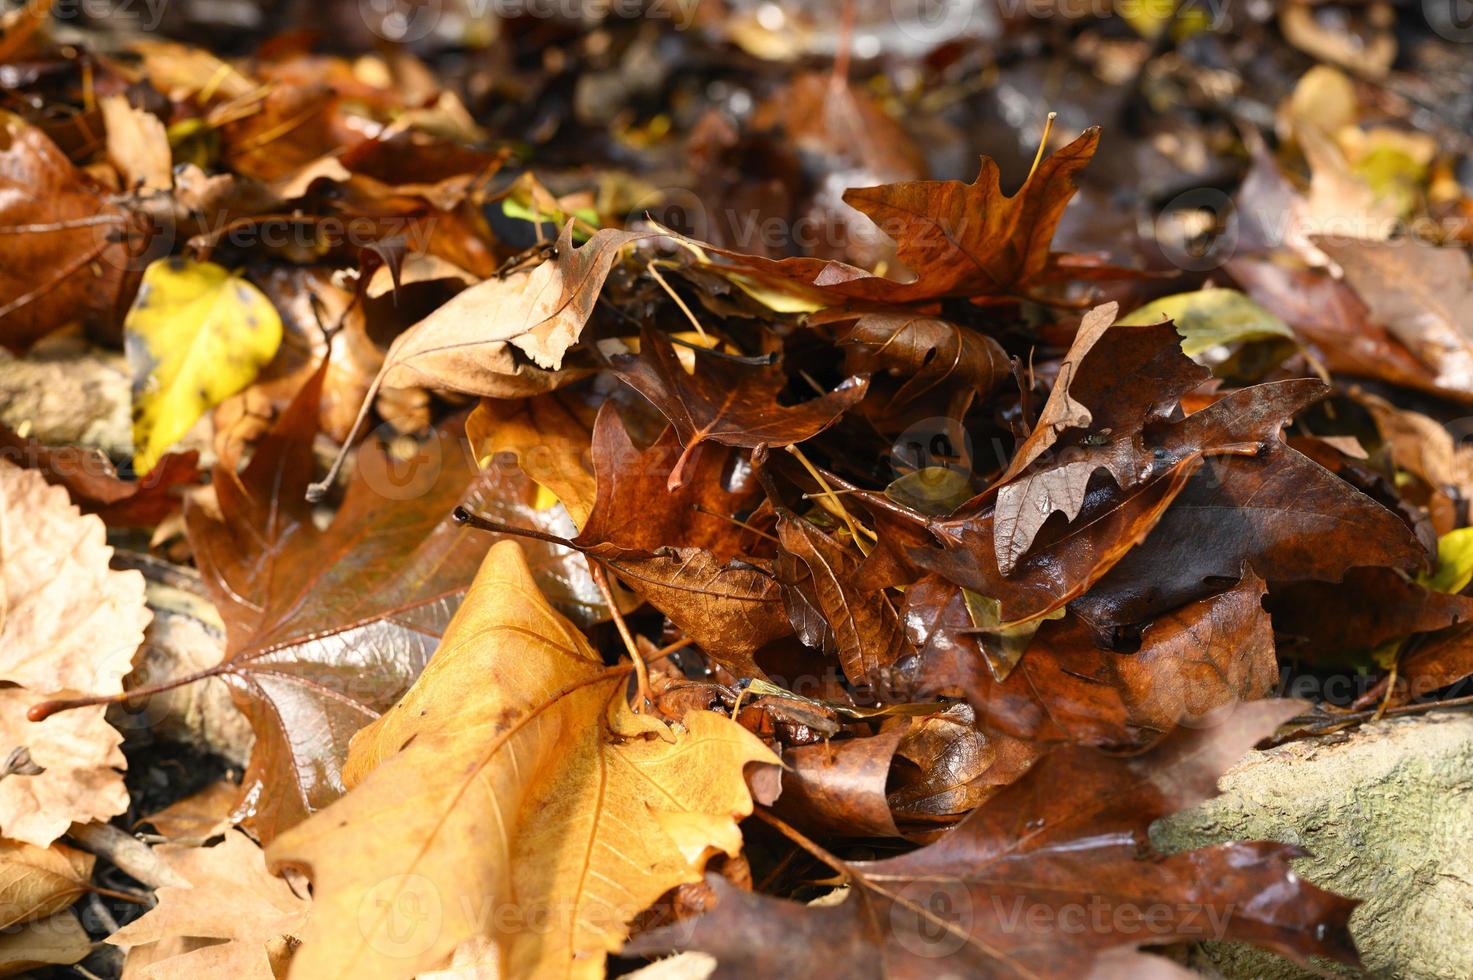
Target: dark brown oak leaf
1286,516
327,629
678,546
1328,623
929,353
830,604
1191,661
956,239
1066,559
727,401
1126,387
1052,877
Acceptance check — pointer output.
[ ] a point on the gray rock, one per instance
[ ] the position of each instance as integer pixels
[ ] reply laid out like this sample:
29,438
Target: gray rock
1386,812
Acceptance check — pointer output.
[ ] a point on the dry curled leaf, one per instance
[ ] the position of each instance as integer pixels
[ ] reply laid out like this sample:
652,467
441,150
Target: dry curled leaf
987,896
233,919
81,759
67,621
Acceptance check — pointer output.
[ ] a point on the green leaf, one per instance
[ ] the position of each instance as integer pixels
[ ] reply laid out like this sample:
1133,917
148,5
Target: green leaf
1212,318
197,334
1454,562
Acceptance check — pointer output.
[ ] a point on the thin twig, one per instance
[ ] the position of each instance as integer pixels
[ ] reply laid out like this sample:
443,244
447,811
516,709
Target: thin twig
641,672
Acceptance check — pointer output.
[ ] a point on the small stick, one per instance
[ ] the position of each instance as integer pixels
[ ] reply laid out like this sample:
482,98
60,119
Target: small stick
641,672
834,505
654,271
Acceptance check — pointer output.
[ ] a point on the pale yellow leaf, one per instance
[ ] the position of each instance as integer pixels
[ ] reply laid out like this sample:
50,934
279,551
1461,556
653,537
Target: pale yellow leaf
82,782
138,145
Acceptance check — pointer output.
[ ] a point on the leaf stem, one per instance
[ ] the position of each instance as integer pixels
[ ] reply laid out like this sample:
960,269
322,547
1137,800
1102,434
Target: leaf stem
641,672
466,518
654,271
1048,129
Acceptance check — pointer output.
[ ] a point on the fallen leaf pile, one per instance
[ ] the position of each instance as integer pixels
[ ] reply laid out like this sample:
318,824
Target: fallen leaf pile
649,488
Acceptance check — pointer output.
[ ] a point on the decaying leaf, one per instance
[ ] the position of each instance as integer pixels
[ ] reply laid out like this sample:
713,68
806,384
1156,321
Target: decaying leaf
619,810
679,548
37,882
956,239
80,759
471,343
725,401
67,621
66,253
1074,829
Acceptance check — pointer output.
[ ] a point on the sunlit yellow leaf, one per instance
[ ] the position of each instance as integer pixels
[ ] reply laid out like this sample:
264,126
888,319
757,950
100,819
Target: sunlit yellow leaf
1209,318
512,805
196,335
1454,562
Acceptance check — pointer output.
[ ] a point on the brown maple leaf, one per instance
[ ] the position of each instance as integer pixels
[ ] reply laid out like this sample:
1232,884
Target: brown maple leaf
956,239
726,401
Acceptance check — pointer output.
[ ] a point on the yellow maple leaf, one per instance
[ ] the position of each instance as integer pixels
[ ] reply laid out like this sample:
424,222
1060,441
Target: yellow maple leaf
196,334
511,803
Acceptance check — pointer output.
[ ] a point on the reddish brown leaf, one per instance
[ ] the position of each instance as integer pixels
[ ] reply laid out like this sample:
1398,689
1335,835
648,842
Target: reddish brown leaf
95,486
991,895
64,249
1284,515
1207,654
930,354
678,547
956,239
726,401
830,605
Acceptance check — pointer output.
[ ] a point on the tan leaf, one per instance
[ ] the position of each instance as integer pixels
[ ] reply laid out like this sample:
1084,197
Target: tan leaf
540,312
249,917
66,620
1421,293
523,816
550,440
137,144
1061,411
80,754
37,882
56,941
